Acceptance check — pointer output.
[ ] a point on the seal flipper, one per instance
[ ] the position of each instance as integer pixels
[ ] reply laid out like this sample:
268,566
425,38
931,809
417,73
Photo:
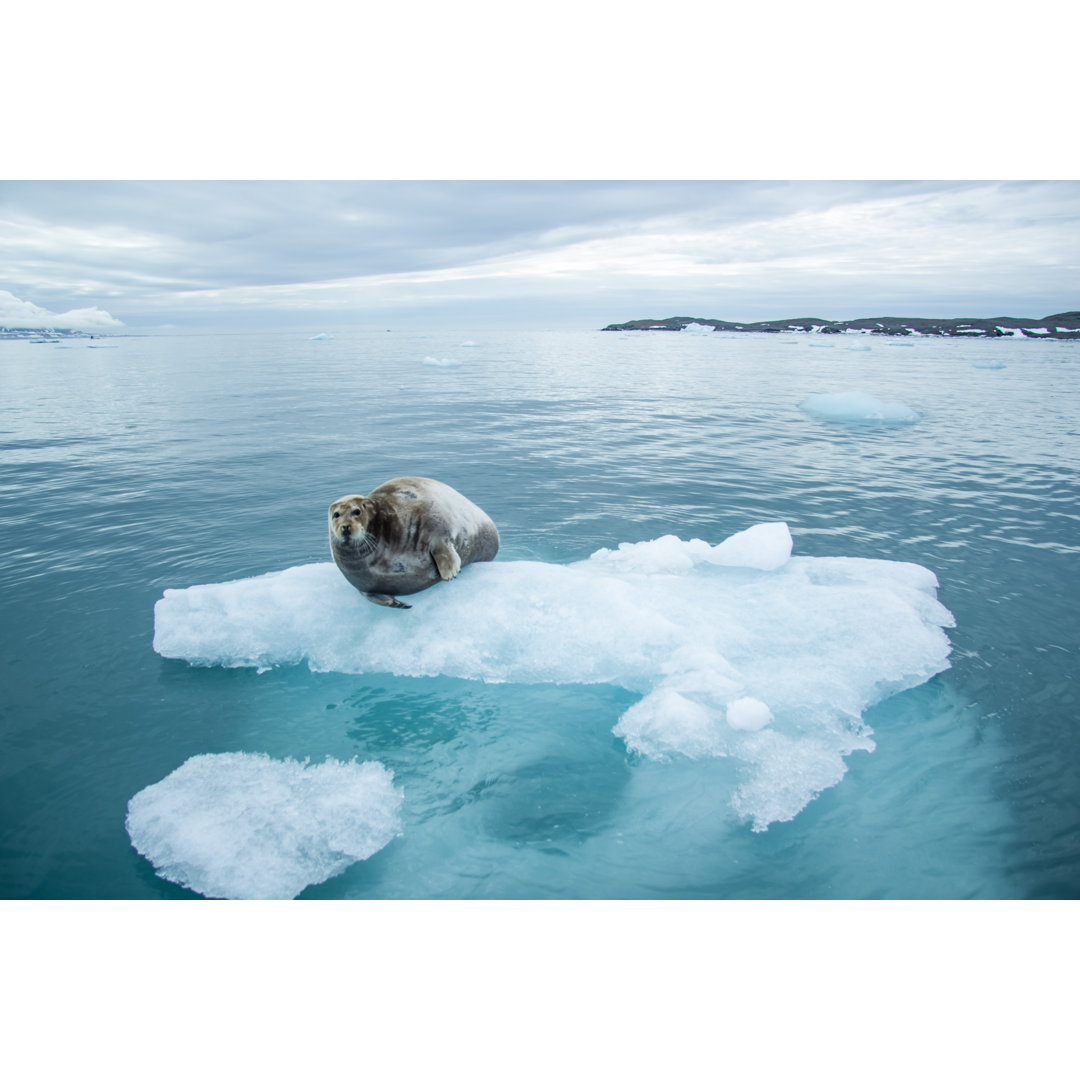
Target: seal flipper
447,560
383,600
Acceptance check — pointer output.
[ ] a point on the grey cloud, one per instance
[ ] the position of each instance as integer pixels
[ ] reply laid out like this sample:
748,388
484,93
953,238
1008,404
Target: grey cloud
133,247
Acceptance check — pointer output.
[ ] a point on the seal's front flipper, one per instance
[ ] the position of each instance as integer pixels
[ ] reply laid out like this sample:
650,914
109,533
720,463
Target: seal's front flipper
447,560
385,601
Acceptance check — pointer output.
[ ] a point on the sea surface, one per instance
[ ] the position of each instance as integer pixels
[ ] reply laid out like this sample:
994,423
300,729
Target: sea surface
197,459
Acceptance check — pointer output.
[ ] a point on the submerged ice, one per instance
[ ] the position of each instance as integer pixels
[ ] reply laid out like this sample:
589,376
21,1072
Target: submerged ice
246,827
738,650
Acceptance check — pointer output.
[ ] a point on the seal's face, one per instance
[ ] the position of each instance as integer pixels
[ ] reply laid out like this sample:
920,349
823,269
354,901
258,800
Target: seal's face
349,518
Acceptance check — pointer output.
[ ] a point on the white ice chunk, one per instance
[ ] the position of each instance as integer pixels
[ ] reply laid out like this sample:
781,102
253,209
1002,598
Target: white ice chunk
322,337
748,714
858,348
246,827
690,626
761,547
446,362
855,406
989,365
697,328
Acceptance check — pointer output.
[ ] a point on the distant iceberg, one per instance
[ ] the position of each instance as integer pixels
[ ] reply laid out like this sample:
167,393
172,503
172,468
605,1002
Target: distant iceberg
738,649
245,827
990,365
697,328
444,362
322,337
853,406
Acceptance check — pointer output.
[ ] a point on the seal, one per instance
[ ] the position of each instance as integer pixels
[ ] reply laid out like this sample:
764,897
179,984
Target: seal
407,535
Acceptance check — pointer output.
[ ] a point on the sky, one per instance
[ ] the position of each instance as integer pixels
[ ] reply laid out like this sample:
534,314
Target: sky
127,255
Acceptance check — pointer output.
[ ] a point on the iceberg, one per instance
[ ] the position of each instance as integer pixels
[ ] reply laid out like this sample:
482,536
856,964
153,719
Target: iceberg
697,328
322,337
739,650
246,827
446,362
855,406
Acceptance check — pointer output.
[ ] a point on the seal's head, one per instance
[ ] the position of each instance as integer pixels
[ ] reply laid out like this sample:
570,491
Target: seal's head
349,520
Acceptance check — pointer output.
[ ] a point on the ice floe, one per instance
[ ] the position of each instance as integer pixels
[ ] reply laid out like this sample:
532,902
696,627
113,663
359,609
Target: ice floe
738,649
246,827
854,406
442,362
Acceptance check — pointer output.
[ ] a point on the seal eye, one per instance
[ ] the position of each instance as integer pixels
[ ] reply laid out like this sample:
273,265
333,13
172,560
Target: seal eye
337,513
356,513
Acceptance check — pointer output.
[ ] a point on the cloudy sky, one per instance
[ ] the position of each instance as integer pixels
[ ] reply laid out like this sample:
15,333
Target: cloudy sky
97,254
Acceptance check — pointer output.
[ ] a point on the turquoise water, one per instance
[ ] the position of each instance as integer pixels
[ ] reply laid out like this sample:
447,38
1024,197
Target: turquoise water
183,460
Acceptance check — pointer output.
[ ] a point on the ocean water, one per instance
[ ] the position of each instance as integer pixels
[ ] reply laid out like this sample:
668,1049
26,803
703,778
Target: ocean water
614,708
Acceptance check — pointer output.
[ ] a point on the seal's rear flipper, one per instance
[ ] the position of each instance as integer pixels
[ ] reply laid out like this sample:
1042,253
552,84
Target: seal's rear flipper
384,600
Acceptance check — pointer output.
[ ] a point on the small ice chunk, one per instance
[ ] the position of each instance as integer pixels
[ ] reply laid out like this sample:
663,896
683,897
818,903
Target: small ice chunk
858,348
444,362
748,714
761,547
246,827
989,365
322,337
855,406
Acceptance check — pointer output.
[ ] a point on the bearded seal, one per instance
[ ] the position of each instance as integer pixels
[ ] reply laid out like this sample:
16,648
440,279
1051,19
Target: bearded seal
407,535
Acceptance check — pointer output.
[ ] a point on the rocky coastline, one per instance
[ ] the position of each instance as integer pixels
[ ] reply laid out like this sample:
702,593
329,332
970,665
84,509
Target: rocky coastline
1065,325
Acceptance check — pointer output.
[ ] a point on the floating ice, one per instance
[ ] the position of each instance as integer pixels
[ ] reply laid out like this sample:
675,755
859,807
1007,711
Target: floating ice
433,361
697,328
696,629
322,337
853,405
989,365
468,345
858,348
246,827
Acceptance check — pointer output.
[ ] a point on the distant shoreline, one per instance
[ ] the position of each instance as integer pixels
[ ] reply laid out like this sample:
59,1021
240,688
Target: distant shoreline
1064,326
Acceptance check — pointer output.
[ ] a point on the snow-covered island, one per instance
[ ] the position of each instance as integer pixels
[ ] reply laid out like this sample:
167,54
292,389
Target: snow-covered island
1065,325
19,333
